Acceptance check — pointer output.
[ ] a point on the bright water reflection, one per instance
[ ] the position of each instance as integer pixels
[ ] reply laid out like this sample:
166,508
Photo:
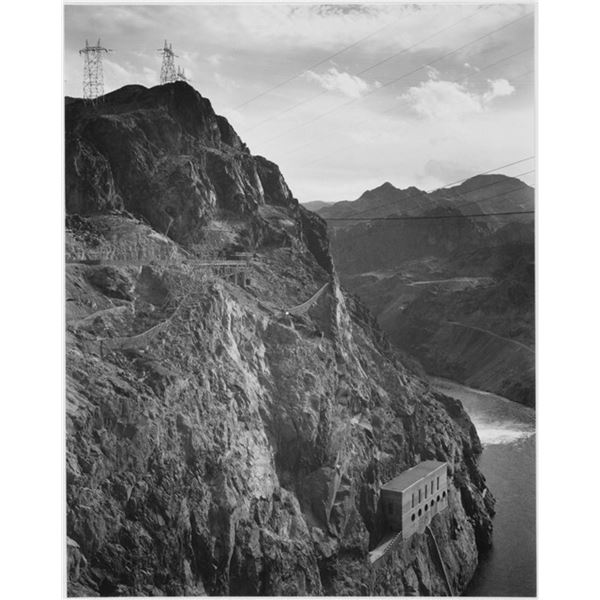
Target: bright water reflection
507,432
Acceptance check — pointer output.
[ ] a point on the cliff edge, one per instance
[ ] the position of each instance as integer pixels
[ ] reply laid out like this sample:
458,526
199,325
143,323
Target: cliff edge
218,442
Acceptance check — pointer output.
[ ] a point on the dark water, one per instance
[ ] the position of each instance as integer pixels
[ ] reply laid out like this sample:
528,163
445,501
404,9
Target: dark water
507,431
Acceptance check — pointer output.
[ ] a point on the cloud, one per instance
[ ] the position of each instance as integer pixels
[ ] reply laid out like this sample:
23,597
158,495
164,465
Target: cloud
341,9
498,88
116,70
235,117
432,72
445,170
340,81
254,47
436,99
330,27
439,99
323,26
151,76
468,65
215,59
225,82
117,75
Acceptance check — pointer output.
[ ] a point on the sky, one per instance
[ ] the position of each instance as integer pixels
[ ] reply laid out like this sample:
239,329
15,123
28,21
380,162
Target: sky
342,97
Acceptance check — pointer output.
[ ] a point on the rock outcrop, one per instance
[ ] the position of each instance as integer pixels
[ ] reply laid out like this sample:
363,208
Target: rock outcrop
217,444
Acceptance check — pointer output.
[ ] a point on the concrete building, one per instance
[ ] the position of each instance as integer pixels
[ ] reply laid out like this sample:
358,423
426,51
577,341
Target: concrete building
411,499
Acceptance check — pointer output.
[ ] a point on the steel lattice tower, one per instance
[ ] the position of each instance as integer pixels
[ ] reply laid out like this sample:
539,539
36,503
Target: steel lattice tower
181,76
93,75
167,70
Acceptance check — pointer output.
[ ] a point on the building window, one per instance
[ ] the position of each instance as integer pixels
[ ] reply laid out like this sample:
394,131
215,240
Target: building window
426,507
438,498
426,491
413,500
443,494
438,482
419,495
432,503
413,517
432,487
420,512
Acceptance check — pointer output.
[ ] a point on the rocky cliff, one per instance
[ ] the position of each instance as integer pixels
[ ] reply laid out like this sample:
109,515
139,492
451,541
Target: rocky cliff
216,443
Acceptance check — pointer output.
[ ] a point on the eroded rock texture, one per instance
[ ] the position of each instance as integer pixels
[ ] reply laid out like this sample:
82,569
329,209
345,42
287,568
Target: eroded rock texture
215,443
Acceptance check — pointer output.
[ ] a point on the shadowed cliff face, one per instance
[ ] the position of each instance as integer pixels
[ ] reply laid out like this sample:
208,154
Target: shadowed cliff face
367,247
469,316
164,155
215,444
482,334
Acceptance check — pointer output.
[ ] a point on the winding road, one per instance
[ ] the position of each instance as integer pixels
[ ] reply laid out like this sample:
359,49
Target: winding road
521,345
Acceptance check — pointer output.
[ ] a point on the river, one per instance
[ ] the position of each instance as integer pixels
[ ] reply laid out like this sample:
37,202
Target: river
507,431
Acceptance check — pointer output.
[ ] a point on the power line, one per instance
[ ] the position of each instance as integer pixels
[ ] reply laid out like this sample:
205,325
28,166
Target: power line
481,187
459,181
523,75
396,54
395,106
469,202
499,61
495,64
393,81
447,185
433,217
377,64
318,64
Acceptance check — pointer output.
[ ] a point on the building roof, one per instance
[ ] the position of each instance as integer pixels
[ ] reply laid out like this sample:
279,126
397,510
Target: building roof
412,475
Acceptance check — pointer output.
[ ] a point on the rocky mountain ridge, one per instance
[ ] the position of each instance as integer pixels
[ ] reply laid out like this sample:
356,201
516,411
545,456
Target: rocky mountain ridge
455,292
480,194
216,443
315,205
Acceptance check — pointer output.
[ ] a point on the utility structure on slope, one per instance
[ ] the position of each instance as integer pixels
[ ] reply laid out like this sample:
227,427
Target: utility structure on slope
181,76
168,74
409,502
93,73
412,498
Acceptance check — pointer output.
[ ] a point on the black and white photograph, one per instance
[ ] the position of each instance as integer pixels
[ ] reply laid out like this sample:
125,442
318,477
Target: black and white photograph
300,299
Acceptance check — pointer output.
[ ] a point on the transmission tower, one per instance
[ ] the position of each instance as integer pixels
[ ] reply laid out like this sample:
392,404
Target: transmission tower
93,75
181,76
167,70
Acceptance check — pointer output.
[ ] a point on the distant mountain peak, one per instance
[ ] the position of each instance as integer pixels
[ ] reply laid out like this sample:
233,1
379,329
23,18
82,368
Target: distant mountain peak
479,181
385,189
387,185
481,193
